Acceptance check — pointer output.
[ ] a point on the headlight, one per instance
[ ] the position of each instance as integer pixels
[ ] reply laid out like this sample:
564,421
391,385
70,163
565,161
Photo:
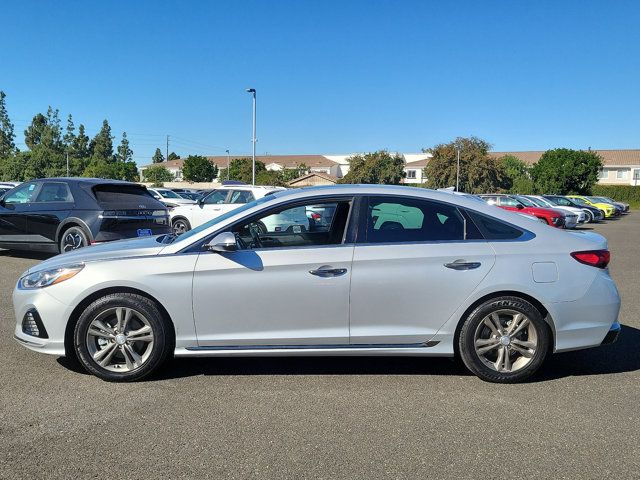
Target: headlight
46,278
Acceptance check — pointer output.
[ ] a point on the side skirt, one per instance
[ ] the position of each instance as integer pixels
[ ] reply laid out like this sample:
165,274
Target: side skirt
433,348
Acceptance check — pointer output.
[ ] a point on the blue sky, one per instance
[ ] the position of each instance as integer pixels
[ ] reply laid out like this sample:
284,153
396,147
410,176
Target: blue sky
331,76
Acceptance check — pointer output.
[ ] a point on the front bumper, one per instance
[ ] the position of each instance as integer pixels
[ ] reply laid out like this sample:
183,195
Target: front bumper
53,315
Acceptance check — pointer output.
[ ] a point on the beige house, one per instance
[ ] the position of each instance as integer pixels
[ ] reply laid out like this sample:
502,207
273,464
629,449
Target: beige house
313,179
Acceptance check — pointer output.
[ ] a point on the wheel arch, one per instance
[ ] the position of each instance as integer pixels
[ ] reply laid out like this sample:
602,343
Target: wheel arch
504,293
77,311
73,222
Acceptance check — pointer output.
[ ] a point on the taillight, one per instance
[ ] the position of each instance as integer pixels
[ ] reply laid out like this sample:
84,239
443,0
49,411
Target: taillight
594,258
316,216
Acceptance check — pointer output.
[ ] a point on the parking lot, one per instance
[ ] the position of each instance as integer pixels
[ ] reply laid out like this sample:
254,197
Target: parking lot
328,417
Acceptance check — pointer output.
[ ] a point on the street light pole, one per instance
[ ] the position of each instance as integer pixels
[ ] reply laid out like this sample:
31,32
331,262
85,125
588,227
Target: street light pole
253,136
227,164
458,170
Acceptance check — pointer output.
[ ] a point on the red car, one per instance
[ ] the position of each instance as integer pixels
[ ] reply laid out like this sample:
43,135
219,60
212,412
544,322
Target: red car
517,203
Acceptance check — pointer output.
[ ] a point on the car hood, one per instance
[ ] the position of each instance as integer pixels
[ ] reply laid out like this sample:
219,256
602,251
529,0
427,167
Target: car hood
135,247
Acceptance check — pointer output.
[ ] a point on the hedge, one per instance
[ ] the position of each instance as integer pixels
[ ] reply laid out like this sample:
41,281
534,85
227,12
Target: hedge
622,193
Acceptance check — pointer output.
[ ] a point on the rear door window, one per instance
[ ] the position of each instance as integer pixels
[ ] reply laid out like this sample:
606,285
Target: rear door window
54,192
396,220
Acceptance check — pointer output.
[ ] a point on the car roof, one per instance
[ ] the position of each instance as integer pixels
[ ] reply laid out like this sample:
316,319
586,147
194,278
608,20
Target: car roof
84,181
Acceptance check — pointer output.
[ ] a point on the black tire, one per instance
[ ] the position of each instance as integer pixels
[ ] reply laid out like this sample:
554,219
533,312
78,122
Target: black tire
163,336
72,238
180,225
589,216
474,322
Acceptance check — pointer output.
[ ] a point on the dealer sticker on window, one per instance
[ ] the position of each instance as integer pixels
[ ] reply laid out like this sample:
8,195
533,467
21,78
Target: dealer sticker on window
144,232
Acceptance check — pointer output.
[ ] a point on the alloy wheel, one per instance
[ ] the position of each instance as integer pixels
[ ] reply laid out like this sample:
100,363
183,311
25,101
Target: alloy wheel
506,341
180,227
120,339
72,241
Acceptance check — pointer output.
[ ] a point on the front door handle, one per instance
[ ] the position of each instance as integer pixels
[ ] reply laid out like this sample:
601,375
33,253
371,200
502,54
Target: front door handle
326,271
462,265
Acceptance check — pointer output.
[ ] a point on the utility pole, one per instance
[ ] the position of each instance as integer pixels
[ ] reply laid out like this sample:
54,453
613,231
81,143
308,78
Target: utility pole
67,164
253,136
167,157
227,163
458,170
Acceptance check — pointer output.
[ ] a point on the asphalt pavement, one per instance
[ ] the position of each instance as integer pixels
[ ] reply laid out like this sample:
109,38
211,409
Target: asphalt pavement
356,418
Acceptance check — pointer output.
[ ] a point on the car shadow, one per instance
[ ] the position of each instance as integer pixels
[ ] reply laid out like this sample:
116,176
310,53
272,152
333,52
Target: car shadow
622,356
30,255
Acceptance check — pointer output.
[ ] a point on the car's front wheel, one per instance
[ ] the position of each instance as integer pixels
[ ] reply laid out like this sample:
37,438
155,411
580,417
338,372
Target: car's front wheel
504,340
122,337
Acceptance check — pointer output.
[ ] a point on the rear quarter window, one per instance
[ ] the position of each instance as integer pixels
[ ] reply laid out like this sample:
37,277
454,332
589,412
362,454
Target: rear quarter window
494,229
120,196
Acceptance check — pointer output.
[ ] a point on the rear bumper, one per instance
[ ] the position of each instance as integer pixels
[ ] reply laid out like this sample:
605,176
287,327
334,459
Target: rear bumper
586,322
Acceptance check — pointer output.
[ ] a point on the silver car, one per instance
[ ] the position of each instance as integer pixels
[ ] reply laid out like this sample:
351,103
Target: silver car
388,271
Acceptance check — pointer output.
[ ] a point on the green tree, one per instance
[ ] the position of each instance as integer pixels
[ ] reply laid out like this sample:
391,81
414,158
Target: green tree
81,144
157,156
517,172
289,174
173,156
240,169
7,135
69,136
377,167
270,177
47,153
12,168
157,175
124,153
565,171
197,168
479,173
101,147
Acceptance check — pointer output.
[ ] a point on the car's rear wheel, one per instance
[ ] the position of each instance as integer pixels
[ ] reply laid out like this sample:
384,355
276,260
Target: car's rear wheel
122,337
73,238
504,340
180,226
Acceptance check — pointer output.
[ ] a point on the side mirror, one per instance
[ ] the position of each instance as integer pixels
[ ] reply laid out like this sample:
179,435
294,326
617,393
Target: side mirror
222,243
520,206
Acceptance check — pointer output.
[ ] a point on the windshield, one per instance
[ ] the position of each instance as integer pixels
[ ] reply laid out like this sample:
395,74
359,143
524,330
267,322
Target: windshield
525,201
539,202
211,223
168,194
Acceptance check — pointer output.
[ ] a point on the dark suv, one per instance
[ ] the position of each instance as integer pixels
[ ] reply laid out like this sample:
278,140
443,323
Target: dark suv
62,214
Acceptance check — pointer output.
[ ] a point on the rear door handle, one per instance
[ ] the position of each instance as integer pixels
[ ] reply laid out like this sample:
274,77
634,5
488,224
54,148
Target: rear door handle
462,265
326,271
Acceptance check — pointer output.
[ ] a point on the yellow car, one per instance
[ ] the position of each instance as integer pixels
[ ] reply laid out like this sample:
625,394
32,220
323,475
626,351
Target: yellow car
609,210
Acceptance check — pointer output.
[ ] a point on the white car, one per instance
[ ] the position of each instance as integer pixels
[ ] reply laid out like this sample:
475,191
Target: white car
215,203
397,271
169,197
543,202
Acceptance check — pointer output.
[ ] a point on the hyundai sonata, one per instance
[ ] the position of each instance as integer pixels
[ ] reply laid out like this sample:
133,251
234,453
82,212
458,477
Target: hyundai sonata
394,271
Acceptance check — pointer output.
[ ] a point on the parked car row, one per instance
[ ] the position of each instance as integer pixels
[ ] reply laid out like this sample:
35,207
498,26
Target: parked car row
62,214
557,210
